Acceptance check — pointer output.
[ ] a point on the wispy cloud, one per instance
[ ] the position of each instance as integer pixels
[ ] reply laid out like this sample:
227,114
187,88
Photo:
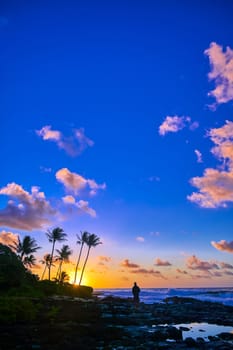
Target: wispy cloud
215,187
140,239
25,211
76,183
73,145
176,123
8,238
221,73
81,205
223,246
159,262
199,156
183,272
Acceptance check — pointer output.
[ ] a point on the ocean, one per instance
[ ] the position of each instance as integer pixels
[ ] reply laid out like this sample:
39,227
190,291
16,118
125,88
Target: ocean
157,295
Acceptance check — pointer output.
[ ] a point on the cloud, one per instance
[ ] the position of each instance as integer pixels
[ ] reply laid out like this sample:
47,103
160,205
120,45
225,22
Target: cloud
105,258
223,246
226,266
215,187
199,156
229,273
175,123
221,73
194,263
73,145
140,239
126,263
150,272
159,262
8,238
83,206
25,211
76,183
45,170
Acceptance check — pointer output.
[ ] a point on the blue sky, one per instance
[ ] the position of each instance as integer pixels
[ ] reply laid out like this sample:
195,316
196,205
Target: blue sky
114,120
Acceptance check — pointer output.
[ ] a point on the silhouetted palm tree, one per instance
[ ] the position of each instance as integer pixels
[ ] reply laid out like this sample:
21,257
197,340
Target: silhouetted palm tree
24,250
45,261
92,241
63,256
29,260
57,234
82,239
64,277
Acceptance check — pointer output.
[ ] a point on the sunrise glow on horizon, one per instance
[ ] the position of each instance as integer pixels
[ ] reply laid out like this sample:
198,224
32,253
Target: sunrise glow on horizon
117,119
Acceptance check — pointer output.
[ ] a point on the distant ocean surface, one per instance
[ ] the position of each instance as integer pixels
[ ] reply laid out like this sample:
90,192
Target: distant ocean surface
157,295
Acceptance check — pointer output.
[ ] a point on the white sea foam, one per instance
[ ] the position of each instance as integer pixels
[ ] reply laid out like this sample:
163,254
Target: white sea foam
156,295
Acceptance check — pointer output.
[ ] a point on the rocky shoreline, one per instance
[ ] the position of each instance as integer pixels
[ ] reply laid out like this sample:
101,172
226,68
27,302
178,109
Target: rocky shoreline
114,323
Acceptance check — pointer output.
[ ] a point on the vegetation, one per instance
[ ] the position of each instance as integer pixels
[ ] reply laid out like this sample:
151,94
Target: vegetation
17,280
56,235
92,241
82,239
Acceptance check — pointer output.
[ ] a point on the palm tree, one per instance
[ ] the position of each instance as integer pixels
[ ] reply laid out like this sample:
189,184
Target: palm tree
64,277
24,250
63,256
57,234
92,241
82,239
29,260
45,261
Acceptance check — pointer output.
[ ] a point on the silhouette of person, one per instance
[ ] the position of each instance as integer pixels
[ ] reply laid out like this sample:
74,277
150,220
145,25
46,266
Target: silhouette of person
136,290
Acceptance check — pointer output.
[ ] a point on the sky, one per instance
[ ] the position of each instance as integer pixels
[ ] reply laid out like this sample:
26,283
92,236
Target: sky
117,119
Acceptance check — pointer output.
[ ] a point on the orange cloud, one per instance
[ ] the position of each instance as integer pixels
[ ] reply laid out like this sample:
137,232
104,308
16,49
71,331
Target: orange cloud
8,238
159,262
221,72
175,123
223,245
76,183
215,187
26,211
182,271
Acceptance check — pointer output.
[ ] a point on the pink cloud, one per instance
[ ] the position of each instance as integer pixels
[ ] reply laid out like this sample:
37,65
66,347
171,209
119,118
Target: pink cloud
76,183
194,263
215,187
176,123
199,156
226,265
150,272
81,205
8,238
73,145
223,246
126,263
182,271
221,72
26,211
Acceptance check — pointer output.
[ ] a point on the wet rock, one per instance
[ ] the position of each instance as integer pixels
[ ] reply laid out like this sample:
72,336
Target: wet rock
190,342
225,336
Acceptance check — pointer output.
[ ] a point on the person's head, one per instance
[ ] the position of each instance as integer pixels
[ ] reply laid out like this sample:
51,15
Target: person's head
135,283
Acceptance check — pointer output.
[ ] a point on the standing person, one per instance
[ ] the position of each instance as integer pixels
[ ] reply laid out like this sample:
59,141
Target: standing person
136,290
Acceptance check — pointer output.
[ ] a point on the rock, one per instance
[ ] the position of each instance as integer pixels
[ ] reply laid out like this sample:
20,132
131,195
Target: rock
225,336
190,342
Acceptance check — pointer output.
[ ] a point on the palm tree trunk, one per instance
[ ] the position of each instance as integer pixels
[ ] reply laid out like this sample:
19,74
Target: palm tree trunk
58,271
77,265
42,277
51,260
84,265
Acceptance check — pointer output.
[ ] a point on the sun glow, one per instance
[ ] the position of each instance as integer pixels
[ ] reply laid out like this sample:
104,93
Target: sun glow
71,280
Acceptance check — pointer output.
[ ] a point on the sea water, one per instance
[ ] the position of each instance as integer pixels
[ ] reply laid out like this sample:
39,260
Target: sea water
157,295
